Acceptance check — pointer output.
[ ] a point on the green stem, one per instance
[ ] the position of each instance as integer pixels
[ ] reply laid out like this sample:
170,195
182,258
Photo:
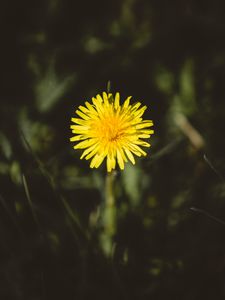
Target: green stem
109,215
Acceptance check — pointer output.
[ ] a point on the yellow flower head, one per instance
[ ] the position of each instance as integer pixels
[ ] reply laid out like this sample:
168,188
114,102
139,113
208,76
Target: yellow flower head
108,130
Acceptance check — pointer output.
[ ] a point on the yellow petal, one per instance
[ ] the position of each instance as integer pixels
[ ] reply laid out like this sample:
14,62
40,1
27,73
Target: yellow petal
130,155
142,143
144,136
97,160
85,144
117,101
83,109
87,151
99,98
120,159
135,106
110,163
127,102
140,112
92,153
79,128
98,104
82,115
143,125
79,121
91,108
137,149
105,98
147,131
77,138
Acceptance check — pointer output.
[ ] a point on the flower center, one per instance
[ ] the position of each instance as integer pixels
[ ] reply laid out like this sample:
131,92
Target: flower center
109,129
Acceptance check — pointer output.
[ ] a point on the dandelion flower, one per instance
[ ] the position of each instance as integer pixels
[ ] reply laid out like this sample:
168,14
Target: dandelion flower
109,130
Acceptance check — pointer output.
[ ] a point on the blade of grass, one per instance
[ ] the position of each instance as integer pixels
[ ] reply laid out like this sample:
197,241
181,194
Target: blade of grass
27,192
73,218
209,163
165,150
72,215
205,213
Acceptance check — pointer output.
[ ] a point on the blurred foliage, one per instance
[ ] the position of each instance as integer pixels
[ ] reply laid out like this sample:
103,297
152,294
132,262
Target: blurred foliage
53,214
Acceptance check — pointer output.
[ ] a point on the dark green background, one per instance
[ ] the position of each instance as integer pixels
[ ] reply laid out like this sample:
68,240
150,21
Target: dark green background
55,55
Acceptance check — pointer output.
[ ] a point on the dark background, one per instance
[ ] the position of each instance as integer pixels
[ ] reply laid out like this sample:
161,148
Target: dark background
57,54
